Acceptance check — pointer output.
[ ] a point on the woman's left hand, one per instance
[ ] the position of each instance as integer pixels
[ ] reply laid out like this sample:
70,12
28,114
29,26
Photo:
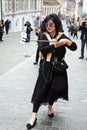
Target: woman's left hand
62,42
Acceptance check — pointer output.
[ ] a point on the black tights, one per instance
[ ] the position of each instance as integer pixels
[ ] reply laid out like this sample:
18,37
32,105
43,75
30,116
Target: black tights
36,106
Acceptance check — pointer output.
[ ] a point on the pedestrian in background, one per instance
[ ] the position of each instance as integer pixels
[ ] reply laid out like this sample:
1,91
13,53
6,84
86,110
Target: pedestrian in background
1,31
3,27
28,30
38,32
37,22
49,90
69,29
7,25
83,37
72,27
75,31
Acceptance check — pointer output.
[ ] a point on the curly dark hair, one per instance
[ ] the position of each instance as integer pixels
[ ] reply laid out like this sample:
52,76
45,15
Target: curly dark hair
56,20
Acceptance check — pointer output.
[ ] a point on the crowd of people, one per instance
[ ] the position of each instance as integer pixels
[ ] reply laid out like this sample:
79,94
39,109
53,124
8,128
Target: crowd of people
72,30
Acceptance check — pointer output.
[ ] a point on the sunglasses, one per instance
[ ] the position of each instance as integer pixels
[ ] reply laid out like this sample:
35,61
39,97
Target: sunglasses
50,25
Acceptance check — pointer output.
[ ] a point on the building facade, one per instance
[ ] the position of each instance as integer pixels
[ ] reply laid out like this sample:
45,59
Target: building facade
81,9
49,6
76,10
85,6
18,11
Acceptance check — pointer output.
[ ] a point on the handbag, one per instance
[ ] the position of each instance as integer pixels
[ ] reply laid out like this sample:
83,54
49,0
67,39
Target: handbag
59,67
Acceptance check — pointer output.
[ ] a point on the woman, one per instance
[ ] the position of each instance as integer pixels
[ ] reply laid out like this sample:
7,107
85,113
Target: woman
48,90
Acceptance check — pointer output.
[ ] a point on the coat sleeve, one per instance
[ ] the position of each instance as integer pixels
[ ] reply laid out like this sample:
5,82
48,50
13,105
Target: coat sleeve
46,48
73,46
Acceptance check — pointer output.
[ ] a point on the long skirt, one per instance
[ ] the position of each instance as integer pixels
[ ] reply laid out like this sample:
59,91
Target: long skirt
57,87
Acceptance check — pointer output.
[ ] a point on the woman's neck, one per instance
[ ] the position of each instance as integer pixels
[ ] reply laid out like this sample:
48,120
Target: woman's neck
52,34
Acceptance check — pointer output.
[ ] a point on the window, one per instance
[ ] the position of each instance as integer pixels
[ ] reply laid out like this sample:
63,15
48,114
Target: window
17,23
24,5
17,5
6,5
10,5
33,4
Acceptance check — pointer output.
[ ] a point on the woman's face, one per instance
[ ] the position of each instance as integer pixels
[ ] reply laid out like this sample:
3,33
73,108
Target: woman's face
50,26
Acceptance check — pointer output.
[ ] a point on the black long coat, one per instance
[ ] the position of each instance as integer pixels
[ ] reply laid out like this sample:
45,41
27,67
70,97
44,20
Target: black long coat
83,30
58,86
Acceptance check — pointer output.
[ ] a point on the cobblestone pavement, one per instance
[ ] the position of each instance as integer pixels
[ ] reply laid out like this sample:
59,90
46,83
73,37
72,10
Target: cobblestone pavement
12,52
16,87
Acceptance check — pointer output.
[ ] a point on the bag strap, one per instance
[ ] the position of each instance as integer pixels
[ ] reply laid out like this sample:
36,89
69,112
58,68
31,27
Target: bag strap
49,55
49,58
55,39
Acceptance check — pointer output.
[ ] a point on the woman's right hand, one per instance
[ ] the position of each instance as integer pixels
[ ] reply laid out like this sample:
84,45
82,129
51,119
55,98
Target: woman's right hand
59,43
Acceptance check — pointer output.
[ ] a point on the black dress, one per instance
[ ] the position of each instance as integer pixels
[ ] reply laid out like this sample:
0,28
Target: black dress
45,92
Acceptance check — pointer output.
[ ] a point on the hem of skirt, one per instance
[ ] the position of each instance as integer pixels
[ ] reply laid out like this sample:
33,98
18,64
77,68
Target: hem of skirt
47,102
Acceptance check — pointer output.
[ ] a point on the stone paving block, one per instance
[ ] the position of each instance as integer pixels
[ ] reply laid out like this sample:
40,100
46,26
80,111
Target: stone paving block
65,129
16,128
83,127
58,124
47,123
61,118
3,127
39,127
72,125
51,128
83,123
74,129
